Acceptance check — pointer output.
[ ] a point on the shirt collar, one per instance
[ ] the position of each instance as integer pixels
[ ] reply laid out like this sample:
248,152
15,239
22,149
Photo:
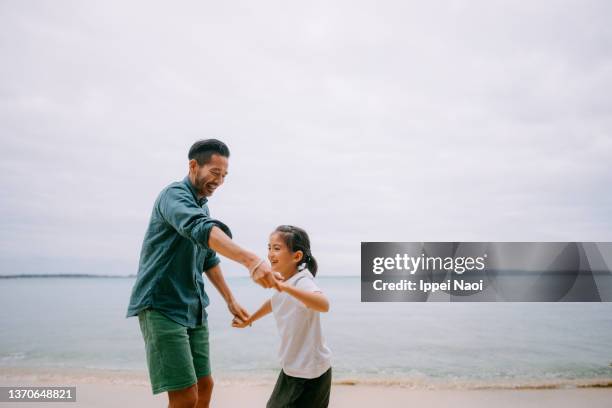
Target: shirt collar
297,275
200,201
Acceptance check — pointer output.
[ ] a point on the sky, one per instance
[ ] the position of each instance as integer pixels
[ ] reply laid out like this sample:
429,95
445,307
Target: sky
356,120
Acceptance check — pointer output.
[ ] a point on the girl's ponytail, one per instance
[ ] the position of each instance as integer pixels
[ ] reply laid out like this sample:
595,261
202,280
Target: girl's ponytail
311,264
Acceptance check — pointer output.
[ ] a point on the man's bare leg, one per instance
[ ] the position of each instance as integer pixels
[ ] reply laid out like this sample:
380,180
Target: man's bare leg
205,388
185,398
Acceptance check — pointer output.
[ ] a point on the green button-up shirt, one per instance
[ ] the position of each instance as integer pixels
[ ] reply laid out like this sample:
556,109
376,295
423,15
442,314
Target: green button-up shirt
174,254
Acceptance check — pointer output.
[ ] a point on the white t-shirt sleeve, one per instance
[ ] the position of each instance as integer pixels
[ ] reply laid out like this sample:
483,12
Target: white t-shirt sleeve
308,284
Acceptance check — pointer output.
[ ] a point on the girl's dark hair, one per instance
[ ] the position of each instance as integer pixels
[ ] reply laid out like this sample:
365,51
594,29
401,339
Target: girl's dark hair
297,239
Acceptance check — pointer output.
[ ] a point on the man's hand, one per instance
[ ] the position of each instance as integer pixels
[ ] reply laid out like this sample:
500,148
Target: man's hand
263,275
260,271
265,309
238,311
239,323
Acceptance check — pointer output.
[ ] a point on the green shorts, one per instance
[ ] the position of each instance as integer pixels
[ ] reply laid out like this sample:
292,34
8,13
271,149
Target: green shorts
176,355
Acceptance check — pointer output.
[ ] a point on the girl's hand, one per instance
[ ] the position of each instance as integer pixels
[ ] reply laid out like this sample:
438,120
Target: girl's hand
281,286
239,323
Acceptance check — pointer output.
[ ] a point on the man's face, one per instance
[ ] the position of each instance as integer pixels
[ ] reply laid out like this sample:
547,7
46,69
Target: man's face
208,177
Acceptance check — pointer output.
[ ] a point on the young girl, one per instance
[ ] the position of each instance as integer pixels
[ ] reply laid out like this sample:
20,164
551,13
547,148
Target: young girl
305,380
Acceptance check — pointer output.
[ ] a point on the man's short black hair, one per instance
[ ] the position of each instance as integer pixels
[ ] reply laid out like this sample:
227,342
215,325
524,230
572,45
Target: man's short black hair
202,150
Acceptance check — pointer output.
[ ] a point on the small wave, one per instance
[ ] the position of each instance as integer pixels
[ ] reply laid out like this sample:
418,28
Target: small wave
597,385
476,385
138,377
12,357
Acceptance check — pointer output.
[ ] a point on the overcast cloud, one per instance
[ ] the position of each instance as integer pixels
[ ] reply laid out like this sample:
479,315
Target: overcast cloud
359,121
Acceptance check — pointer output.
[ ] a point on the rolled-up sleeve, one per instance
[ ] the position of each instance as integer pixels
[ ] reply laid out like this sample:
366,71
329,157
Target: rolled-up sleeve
211,260
179,209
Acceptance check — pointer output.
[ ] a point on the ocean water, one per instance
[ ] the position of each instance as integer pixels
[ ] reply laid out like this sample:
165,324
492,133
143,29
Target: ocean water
80,323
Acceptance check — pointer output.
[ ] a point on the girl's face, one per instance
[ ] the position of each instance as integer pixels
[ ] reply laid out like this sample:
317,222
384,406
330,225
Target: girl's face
280,257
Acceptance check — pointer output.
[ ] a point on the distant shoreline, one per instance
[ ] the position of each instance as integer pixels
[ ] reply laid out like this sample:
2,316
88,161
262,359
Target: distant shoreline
63,275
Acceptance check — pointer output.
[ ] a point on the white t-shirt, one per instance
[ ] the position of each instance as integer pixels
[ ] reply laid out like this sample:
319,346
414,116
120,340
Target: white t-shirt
302,352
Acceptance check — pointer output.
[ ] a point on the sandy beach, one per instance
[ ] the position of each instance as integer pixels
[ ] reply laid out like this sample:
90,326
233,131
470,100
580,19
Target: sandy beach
117,395
121,389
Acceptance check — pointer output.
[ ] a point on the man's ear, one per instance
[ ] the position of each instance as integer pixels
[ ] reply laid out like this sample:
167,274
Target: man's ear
193,166
298,255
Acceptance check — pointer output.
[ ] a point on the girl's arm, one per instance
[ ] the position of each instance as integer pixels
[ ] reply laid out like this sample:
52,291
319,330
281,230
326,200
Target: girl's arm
314,300
265,309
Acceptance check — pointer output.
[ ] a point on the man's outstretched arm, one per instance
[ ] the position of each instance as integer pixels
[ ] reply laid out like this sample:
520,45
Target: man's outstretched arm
259,269
178,208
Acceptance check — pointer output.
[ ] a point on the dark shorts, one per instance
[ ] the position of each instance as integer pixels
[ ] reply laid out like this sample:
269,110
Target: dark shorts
177,356
294,392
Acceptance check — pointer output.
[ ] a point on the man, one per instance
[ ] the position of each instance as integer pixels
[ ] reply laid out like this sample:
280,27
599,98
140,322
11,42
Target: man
182,242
